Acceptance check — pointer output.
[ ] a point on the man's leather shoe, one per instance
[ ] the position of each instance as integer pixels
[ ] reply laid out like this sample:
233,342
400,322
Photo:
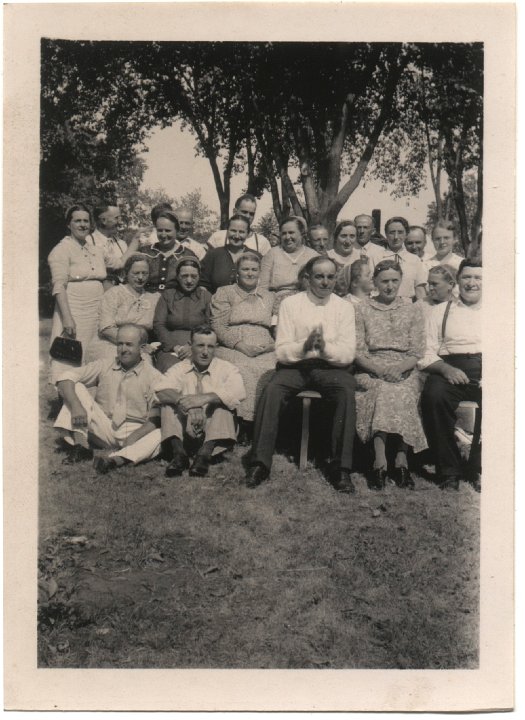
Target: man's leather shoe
342,482
377,479
200,466
76,454
449,482
403,478
103,464
177,466
257,474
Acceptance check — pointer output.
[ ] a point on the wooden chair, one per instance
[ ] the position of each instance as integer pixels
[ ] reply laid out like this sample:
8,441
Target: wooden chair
306,396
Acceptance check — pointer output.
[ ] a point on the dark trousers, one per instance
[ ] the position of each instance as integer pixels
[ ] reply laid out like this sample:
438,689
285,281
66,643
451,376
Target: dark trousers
439,402
336,385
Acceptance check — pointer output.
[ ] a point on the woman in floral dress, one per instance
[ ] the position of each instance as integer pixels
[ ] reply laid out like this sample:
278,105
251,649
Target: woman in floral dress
241,316
390,334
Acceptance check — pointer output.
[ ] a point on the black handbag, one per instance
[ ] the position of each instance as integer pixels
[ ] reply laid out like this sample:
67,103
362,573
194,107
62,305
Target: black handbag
66,349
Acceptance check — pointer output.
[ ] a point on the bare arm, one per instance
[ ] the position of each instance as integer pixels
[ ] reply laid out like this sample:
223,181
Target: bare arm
68,322
66,388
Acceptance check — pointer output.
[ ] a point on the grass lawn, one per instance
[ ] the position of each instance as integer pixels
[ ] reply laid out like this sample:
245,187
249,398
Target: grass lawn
137,570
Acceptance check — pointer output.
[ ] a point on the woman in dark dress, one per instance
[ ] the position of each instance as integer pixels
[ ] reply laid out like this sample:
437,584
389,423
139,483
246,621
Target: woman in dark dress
219,267
178,310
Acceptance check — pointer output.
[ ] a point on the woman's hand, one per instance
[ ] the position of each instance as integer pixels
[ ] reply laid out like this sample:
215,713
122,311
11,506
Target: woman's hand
392,374
249,350
70,329
183,351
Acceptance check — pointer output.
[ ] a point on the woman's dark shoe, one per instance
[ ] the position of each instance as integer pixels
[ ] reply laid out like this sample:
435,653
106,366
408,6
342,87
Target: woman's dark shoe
256,474
403,478
449,482
342,482
200,466
177,466
377,479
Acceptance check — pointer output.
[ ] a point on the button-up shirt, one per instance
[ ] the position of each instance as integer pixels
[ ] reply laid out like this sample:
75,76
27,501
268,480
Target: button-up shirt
117,387
70,261
371,252
301,313
462,332
413,271
221,378
163,265
113,249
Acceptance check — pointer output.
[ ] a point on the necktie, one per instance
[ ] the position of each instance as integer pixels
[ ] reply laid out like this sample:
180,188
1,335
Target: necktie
120,409
397,258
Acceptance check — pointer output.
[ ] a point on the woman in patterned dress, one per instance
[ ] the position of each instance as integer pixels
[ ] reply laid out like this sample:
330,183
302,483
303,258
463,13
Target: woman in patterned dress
390,335
280,266
123,304
241,316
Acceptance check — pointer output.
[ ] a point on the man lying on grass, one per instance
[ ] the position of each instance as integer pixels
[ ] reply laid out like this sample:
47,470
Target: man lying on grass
121,418
199,396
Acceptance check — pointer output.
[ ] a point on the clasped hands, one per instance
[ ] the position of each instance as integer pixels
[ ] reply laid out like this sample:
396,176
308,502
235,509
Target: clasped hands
314,344
254,350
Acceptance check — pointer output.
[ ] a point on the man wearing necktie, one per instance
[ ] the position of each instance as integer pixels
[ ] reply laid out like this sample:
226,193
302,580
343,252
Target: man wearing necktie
199,397
121,418
413,283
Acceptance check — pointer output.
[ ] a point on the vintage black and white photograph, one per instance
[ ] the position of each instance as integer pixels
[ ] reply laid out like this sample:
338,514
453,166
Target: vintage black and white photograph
260,350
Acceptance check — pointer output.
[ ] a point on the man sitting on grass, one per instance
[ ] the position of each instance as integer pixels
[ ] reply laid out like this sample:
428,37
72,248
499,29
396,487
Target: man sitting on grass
121,418
199,396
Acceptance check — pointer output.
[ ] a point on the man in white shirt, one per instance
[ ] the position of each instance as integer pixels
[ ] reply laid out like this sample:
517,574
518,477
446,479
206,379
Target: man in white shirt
121,417
246,206
414,278
199,396
315,347
185,218
453,363
105,236
365,247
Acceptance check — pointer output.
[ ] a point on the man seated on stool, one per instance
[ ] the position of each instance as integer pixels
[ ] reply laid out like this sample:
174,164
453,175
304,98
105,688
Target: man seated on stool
315,347
453,363
199,396
121,417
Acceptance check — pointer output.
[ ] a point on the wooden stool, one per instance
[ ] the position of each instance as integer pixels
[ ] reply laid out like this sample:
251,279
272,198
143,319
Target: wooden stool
306,396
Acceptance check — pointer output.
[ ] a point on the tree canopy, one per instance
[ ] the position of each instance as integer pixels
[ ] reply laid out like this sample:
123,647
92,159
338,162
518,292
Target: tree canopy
307,121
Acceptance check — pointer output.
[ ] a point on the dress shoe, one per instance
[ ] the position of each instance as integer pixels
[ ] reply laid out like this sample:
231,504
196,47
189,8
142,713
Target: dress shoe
257,474
177,466
475,482
377,479
403,478
449,482
200,466
342,482
76,454
103,464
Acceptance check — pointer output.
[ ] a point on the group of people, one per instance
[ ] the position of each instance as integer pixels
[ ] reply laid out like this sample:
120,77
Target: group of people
185,343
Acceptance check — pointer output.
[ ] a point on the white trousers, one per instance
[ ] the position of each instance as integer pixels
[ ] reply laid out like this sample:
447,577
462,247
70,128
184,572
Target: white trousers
100,426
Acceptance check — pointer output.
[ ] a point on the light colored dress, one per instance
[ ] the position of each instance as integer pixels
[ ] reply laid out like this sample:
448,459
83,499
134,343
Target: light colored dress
79,270
120,305
238,315
280,270
390,333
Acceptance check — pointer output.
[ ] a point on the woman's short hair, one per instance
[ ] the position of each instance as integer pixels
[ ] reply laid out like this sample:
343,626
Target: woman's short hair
348,274
249,256
300,223
444,225
136,257
398,219
168,215
468,262
82,207
341,225
157,209
187,261
447,272
387,265
243,219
